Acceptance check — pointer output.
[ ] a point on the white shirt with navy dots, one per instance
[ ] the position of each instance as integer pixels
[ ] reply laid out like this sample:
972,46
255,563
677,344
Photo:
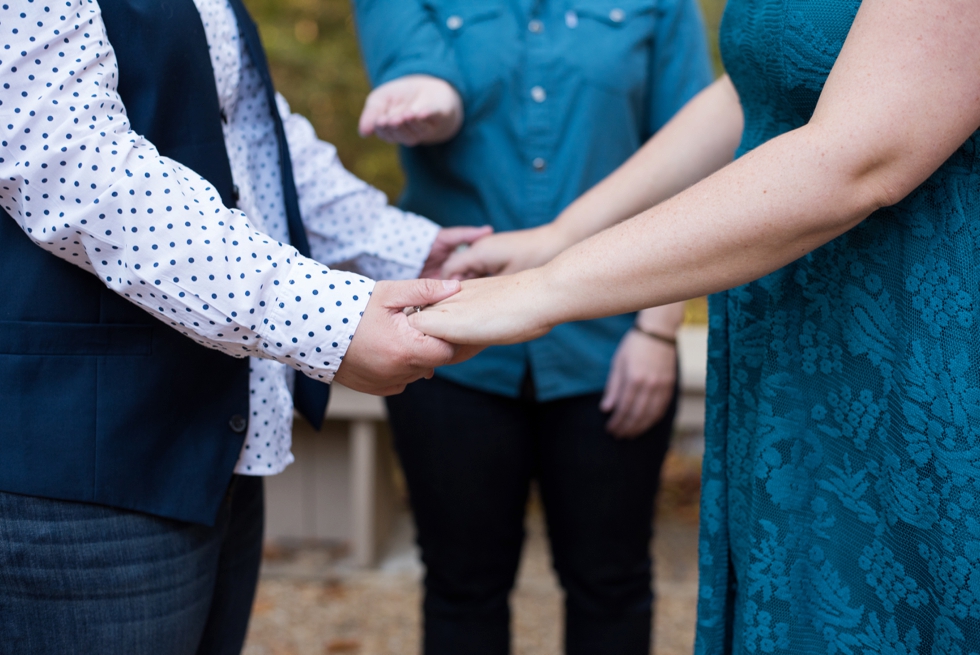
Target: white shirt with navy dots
86,188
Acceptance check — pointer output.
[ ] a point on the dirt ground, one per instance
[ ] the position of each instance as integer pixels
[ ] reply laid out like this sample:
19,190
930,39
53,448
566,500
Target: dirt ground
308,603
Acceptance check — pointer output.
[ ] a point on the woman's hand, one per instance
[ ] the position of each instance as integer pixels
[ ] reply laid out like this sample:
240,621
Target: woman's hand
505,253
640,385
491,311
413,110
447,241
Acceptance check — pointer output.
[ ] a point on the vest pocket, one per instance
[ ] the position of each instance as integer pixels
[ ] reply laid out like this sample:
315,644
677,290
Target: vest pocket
75,339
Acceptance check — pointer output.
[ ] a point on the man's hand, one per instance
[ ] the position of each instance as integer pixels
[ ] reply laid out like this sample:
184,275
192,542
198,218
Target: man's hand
413,110
640,385
505,253
447,241
386,352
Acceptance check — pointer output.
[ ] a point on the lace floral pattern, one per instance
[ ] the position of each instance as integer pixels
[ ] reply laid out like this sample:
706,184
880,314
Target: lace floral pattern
841,490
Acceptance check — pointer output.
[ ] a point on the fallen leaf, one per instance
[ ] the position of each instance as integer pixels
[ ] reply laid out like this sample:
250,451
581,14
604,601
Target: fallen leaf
343,646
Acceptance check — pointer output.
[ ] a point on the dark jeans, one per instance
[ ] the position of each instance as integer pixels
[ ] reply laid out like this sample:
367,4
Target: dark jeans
469,458
84,579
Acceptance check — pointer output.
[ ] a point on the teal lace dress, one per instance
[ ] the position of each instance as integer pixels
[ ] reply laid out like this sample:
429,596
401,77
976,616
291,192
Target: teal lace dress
841,485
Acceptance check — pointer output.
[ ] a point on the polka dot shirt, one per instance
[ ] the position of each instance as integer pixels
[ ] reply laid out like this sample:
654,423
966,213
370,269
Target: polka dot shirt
88,189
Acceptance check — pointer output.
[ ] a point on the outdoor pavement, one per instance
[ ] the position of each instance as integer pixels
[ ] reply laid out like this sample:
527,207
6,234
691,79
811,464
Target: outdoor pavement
310,602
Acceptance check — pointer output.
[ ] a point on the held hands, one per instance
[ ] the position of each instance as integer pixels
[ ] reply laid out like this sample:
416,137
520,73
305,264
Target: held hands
517,308
413,110
387,352
491,311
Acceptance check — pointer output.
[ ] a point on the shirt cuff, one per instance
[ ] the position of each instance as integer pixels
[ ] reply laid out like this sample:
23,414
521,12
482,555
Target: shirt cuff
314,319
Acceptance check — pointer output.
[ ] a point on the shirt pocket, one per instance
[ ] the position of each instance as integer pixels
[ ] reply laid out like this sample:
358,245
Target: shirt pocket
478,37
611,41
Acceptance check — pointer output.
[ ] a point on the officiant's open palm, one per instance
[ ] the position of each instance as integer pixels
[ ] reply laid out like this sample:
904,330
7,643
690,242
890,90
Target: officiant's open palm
413,110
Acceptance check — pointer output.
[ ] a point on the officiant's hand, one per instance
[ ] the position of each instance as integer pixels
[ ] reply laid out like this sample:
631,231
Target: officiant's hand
640,385
643,375
386,352
413,110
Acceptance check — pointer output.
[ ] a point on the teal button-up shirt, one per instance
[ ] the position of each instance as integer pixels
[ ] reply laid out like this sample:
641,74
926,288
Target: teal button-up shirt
557,94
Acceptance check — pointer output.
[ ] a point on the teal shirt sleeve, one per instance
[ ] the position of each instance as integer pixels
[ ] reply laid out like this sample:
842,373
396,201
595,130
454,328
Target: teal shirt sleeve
680,66
401,37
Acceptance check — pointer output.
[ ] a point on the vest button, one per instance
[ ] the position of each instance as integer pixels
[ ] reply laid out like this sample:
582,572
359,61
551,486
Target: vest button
238,424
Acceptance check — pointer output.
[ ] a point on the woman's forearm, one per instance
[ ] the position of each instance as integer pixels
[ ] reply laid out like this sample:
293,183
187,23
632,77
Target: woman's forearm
758,214
767,209
901,99
698,141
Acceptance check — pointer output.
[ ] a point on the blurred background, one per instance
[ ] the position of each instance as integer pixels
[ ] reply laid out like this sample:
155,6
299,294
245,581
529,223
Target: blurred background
340,573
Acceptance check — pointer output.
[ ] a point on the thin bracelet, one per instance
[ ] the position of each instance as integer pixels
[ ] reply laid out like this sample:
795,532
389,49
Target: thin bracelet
670,341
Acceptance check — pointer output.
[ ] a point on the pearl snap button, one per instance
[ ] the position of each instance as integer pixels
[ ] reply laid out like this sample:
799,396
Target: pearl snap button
536,26
538,94
538,164
571,19
454,22
617,15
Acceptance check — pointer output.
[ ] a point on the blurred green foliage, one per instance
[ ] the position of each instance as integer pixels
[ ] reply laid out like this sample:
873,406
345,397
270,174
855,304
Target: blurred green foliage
713,10
314,57
316,65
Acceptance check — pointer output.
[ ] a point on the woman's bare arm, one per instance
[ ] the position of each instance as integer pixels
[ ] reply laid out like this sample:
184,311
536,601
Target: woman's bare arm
902,97
698,141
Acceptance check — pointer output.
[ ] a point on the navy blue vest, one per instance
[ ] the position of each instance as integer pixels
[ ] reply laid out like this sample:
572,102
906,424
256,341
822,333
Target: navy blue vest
100,402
